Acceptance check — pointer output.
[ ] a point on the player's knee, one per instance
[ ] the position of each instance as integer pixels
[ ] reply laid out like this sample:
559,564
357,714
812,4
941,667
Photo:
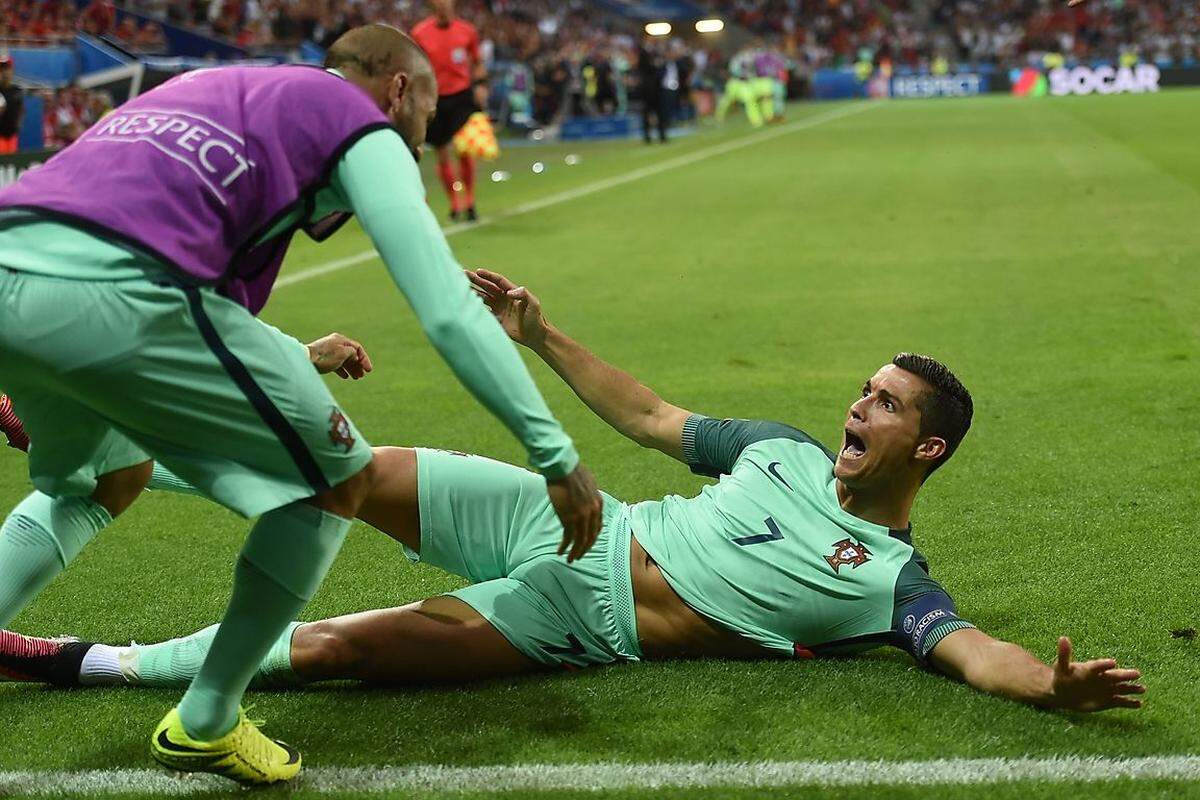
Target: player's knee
327,651
116,491
347,497
392,462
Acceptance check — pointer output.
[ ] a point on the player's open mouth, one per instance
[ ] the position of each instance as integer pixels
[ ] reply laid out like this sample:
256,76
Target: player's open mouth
854,447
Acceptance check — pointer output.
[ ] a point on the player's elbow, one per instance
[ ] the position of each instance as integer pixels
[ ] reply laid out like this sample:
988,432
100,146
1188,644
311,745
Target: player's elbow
643,433
442,328
646,427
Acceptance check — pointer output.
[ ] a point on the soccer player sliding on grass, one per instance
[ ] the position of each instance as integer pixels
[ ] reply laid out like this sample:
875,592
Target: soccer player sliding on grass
131,267
797,552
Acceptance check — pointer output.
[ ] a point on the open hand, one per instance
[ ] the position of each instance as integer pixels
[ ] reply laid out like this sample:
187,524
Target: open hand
518,310
1093,685
339,354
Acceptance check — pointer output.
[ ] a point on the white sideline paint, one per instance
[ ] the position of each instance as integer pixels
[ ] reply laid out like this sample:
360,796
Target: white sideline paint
658,168
614,776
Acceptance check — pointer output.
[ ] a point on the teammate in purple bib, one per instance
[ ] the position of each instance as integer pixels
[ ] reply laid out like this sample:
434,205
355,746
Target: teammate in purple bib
131,267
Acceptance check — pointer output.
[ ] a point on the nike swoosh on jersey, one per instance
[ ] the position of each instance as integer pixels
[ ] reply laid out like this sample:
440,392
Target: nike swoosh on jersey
773,468
771,472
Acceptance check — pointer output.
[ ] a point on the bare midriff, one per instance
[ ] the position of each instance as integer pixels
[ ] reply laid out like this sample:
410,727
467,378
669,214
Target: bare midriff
668,627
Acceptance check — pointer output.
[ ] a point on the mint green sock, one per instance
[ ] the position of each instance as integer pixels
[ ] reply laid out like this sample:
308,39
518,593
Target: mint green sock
284,560
162,479
41,536
276,669
177,662
173,663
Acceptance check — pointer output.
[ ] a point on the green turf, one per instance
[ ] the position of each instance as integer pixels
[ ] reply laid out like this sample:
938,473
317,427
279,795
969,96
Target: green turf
1160,790
1046,249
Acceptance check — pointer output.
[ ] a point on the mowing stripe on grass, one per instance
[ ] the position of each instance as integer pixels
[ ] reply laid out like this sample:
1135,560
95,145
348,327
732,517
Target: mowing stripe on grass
597,186
614,776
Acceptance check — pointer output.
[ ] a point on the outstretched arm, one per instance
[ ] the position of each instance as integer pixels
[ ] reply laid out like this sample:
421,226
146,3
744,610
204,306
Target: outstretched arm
1008,670
630,407
380,181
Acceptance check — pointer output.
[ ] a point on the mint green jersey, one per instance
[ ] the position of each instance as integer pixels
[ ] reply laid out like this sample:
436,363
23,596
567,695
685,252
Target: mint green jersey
378,180
769,553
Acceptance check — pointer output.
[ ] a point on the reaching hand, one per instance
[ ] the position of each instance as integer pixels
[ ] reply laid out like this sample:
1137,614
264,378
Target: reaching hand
518,310
339,354
577,502
1093,685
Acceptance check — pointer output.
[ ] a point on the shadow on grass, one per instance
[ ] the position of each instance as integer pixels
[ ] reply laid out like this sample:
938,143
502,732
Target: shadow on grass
877,706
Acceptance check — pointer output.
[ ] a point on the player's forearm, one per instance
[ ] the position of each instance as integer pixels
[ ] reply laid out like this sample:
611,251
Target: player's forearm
386,195
1011,671
614,395
478,352
487,363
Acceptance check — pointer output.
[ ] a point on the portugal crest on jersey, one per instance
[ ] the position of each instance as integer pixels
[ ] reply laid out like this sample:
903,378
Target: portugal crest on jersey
339,430
848,551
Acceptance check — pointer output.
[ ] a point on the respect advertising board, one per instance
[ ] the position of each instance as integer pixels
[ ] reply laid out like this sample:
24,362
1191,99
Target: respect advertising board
956,84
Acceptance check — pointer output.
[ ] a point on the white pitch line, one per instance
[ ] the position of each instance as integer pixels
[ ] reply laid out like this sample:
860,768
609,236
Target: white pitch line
610,776
658,168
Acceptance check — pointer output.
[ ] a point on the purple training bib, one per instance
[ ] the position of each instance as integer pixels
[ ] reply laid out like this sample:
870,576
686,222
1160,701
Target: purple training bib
199,169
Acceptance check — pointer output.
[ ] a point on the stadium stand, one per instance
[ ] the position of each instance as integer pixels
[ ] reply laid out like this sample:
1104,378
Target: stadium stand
552,61
1001,31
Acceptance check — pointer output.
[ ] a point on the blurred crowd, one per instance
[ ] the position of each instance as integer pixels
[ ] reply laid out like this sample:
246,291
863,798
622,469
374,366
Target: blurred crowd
56,21
69,111
914,33
514,28
50,21
553,59
551,37
550,57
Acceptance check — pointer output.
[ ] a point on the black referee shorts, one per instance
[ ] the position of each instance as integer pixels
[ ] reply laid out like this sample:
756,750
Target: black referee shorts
453,111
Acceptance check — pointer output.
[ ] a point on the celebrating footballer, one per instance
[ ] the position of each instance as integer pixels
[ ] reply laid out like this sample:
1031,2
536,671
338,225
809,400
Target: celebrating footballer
796,552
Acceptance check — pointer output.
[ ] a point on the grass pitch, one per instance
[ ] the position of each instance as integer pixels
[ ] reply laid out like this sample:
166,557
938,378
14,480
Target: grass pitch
1046,249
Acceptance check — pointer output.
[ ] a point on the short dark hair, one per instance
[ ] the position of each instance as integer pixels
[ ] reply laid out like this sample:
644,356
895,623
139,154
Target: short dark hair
946,409
377,50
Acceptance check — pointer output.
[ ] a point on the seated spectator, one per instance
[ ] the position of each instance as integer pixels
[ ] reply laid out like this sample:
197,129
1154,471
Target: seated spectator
49,119
225,16
100,105
99,17
68,112
151,39
127,31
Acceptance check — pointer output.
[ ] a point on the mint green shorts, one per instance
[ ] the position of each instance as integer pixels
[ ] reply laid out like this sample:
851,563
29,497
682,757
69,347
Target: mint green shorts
108,374
493,524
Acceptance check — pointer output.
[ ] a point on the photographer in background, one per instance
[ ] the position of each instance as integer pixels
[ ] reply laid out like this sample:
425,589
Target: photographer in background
12,107
651,69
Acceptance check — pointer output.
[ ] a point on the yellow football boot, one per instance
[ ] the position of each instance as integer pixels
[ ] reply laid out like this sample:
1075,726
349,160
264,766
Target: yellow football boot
244,754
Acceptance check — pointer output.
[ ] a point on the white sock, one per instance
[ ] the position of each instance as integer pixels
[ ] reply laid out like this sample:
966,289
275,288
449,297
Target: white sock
104,665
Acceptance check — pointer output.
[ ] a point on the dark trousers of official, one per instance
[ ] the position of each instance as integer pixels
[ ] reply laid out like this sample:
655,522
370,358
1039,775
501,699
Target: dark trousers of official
660,107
